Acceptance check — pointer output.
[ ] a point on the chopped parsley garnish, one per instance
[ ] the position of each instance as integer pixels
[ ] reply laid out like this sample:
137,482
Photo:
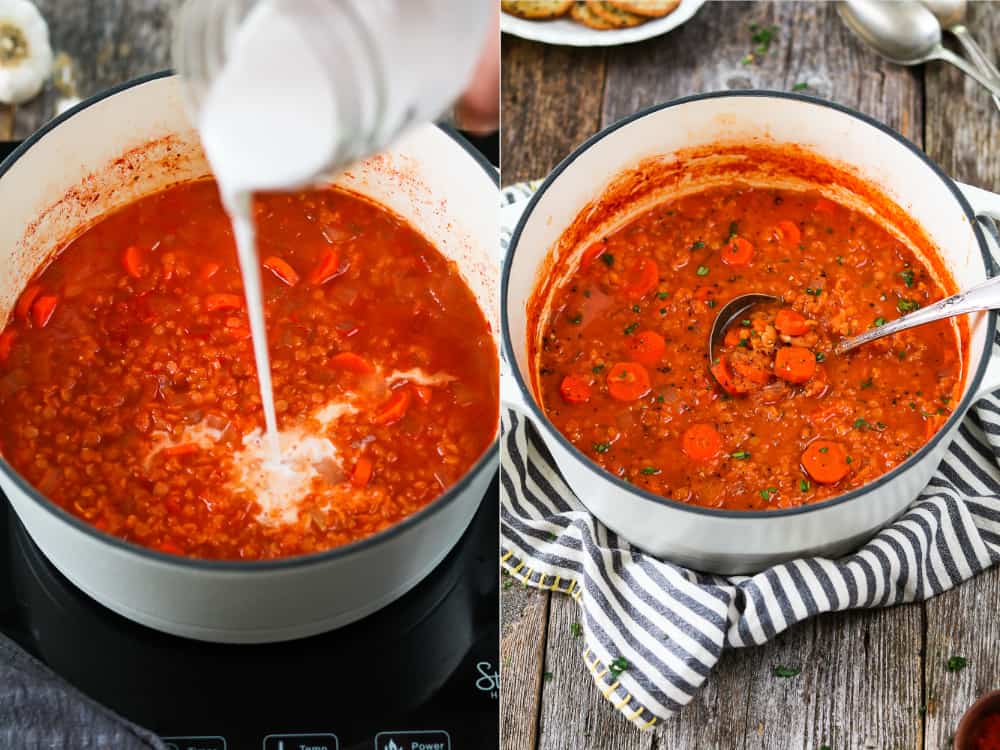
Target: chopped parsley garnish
662,295
602,447
745,323
804,485
902,354
698,245
881,426
957,663
766,494
824,449
618,666
650,470
636,308
711,303
576,319
609,259
734,229
630,328
848,460
740,455
762,37
596,368
815,292
576,629
780,671
745,343
866,384
800,86
908,277
907,305
840,260
663,311
702,271
820,356
879,322
861,424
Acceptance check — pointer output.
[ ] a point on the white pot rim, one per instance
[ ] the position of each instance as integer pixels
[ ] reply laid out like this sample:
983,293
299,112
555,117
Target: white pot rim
444,500
540,419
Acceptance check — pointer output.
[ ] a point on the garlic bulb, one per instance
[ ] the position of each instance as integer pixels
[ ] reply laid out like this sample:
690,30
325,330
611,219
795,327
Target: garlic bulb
25,54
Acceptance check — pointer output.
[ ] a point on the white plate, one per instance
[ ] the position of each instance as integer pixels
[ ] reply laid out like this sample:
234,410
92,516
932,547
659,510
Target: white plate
567,31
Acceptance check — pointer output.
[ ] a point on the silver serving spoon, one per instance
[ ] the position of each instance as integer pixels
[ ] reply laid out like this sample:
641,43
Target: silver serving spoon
951,15
985,296
906,34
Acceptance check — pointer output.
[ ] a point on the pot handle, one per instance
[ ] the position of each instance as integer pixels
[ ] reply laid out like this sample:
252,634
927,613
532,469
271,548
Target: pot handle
986,206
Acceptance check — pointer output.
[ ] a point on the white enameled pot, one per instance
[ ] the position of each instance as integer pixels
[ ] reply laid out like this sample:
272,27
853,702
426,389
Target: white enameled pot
136,139
729,541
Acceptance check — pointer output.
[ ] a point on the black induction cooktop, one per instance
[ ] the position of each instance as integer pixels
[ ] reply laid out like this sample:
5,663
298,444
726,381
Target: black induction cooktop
420,674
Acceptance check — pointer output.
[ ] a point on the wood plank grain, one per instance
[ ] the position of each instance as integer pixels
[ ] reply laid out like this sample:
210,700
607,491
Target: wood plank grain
98,44
573,713
550,102
963,123
524,617
810,45
961,130
961,622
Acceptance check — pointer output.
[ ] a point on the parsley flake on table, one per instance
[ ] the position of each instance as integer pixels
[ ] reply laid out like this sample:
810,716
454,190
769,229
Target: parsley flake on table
957,663
576,629
800,86
762,36
547,676
781,671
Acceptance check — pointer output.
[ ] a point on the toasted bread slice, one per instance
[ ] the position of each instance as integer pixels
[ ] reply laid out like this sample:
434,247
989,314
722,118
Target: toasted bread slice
583,12
536,10
648,8
620,19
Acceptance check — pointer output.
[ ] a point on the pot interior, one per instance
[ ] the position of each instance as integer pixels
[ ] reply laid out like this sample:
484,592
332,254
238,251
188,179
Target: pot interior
757,140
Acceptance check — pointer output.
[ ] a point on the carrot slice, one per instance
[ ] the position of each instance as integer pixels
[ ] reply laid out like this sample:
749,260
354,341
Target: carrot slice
575,389
791,322
725,378
351,362
41,311
327,268
181,449
732,336
824,206
796,364
591,254
7,343
221,301
134,261
208,271
395,408
643,279
701,442
423,394
26,300
628,381
362,472
280,268
825,461
790,232
239,332
739,252
647,348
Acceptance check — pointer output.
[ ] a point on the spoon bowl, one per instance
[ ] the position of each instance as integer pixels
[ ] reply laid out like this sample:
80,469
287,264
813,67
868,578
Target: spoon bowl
735,308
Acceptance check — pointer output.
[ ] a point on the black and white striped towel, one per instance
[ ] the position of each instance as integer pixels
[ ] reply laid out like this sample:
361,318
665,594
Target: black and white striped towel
670,625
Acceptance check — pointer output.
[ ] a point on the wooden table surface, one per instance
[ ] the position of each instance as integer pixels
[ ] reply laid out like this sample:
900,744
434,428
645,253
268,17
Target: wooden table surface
870,679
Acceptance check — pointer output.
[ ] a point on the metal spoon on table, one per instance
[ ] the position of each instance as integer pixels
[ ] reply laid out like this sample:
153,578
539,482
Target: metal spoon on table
985,296
906,34
951,15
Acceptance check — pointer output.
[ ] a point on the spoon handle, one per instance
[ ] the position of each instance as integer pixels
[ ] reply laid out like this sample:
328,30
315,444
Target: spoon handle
985,296
975,53
940,53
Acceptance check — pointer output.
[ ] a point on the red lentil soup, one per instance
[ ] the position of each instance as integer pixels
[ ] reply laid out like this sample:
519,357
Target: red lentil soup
129,396
776,420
